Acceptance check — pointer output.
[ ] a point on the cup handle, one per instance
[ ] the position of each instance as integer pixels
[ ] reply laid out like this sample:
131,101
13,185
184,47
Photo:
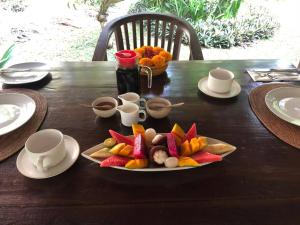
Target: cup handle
144,115
148,71
142,100
40,164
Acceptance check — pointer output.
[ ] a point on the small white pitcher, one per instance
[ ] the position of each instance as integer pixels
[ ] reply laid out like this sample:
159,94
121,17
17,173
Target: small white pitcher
130,114
131,97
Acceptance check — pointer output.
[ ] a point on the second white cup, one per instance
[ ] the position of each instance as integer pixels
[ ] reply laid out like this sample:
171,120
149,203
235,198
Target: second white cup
131,114
220,80
46,148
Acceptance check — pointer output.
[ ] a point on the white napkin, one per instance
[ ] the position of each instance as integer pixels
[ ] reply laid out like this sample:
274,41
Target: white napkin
273,76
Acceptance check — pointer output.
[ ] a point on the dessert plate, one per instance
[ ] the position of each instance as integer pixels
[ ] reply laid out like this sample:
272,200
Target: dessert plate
235,89
25,77
15,110
26,168
284,102
87,153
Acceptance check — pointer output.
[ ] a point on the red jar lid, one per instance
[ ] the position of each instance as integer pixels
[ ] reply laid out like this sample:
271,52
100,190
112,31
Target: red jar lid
126,58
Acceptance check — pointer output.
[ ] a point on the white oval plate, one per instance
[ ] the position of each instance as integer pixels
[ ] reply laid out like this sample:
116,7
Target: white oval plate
87,153
235,89
15,110
25,77
284,102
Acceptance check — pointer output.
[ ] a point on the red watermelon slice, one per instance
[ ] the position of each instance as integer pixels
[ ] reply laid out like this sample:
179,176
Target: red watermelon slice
121,138
192,132
114,160
204,157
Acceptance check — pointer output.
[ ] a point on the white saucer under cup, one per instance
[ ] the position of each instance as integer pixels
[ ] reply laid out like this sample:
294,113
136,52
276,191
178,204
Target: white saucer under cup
234,91
25,166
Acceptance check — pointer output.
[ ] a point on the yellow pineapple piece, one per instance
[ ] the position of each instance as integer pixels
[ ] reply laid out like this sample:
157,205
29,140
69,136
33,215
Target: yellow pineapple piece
116,149
137,164
187,161
126,151
186,148
202,142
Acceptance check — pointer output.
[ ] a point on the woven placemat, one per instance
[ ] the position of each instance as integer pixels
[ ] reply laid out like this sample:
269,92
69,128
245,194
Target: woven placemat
15,140
285,131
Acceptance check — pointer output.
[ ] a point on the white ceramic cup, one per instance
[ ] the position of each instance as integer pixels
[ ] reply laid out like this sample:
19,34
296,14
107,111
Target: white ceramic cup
46,148
132,97
105,113
220,80
130,114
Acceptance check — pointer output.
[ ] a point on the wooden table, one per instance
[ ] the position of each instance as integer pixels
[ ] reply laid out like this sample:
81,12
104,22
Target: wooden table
258,184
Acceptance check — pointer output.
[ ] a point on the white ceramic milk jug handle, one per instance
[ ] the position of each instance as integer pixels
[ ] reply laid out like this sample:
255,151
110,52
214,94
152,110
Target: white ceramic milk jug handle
144,117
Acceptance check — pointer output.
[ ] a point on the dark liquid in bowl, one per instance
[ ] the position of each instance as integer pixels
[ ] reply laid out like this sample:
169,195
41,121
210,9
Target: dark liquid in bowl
106,105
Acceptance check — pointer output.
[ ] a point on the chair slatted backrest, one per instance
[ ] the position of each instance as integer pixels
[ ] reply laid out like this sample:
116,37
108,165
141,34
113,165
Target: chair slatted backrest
154,29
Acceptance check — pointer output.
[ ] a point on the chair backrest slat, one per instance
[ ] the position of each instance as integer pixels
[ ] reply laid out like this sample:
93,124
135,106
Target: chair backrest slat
170,38
126,36
156,33
148,32
177,42
163,34
134,34
141,32
164,30
119,38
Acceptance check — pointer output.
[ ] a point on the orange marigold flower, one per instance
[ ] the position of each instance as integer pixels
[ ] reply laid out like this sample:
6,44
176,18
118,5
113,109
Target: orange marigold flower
141,51
158,61
157,50
146,62
166,55
149,48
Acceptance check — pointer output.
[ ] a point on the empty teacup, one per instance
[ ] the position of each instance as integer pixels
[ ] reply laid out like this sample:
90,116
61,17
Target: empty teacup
220,80
45,148
130,114
106,106
133,98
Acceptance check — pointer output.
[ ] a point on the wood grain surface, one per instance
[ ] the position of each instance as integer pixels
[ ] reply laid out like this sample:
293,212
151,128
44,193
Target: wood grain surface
15,140
285,131
258,184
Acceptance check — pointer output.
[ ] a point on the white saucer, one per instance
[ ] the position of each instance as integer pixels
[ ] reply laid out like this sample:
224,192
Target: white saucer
25,77
235,89
26,168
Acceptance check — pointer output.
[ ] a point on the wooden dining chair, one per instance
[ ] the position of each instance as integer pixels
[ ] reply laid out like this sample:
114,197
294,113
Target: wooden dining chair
136,30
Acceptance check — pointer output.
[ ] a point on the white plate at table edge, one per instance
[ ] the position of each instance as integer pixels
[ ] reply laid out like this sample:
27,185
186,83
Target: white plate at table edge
18,122
235,89
72,148
26,65
86,154
271,97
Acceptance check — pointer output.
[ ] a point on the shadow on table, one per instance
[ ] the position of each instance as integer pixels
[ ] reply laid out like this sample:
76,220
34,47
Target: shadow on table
224,101
34,85
165,178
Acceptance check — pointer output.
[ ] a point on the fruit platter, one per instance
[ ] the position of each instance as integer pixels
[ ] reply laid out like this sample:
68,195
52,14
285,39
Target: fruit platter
149,151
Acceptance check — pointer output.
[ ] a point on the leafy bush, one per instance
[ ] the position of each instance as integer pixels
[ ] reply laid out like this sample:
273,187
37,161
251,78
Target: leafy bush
216,22
192,10
225,33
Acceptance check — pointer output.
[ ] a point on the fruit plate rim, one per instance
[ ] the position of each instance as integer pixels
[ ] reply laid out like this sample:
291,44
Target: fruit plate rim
86,154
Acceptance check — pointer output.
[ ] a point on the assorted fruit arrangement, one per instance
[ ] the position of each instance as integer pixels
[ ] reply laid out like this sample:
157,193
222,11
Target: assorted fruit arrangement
148,149
155,57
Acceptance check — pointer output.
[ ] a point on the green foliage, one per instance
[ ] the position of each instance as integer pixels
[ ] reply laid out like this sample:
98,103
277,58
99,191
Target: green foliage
216,22
192,10
226,33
